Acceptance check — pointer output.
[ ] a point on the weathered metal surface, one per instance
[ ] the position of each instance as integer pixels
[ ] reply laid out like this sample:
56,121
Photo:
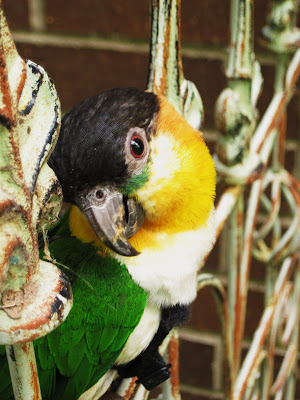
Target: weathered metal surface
50,302
22,367
166,72
249,155
30,194
280,33
223,307
261,334
256,156
173,359
235,108
35,296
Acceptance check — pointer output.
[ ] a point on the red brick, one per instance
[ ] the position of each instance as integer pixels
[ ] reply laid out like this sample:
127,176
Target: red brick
16,12
205,22
290,160
255,308
97,70
190,396
258,270
209,77
260,17
85,72
268,73
204,315
293,125
196,364
105,18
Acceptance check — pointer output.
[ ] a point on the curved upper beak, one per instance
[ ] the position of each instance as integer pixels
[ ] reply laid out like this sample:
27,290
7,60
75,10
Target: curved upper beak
114,217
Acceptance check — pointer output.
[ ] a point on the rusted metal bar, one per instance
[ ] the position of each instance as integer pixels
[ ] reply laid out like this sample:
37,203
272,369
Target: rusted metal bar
225,206
236,142
208,280
262,330
35,295
171,386
22,367
234,233
277,105
293,337
281,34
235,118
282,245
243,277
165,72
240,63
286,368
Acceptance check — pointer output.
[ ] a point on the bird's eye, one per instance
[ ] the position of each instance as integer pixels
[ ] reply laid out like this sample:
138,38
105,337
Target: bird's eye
99,194
137,146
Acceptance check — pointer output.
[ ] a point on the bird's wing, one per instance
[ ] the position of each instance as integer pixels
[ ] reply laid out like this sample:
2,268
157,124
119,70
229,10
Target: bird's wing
107,307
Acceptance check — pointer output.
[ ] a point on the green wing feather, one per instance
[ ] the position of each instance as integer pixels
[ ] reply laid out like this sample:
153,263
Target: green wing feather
107,307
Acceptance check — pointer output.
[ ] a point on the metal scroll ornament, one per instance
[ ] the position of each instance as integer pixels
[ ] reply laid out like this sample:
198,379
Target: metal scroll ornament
35,296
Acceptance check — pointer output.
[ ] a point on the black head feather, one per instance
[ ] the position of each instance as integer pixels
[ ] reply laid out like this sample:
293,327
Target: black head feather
90,147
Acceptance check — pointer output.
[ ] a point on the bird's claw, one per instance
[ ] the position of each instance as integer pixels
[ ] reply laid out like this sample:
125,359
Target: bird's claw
150,369
155,378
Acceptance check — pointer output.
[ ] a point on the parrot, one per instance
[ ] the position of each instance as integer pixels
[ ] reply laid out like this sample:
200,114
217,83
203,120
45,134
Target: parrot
140,184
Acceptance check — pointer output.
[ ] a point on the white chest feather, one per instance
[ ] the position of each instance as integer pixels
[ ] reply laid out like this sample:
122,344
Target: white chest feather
169,273
141,337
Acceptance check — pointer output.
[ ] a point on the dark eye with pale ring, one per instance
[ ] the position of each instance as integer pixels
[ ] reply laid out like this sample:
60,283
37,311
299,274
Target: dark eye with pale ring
137,146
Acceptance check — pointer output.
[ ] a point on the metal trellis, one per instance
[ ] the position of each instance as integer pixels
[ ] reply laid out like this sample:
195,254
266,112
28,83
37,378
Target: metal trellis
250,163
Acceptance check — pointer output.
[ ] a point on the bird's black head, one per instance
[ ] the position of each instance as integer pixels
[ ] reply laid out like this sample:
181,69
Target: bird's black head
103,143
96,137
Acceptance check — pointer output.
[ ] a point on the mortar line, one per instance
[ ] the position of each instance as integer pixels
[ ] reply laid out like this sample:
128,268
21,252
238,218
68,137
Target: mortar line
63,41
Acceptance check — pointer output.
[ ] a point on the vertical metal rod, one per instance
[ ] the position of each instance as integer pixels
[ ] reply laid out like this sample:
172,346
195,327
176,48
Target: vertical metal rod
245,263
292,380
259,337
268,365
233,257
171,386
240,73
271,271
165,72
23,371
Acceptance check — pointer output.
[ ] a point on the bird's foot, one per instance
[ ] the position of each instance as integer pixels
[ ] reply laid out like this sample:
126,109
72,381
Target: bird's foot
155,378
151,370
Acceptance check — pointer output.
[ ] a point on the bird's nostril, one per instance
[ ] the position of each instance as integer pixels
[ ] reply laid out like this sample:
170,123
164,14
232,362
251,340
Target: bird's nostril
99,194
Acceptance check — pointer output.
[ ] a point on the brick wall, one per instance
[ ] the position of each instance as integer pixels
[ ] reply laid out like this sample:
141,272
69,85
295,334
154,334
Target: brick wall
88,46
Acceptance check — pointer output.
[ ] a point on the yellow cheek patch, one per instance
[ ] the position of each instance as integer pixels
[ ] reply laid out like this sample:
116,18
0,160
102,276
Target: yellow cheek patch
180,191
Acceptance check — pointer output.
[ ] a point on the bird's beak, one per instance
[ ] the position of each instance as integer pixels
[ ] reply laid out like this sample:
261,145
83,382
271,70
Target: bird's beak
114,217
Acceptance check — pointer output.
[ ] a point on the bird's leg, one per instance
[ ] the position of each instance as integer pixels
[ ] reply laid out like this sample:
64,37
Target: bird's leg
150,367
